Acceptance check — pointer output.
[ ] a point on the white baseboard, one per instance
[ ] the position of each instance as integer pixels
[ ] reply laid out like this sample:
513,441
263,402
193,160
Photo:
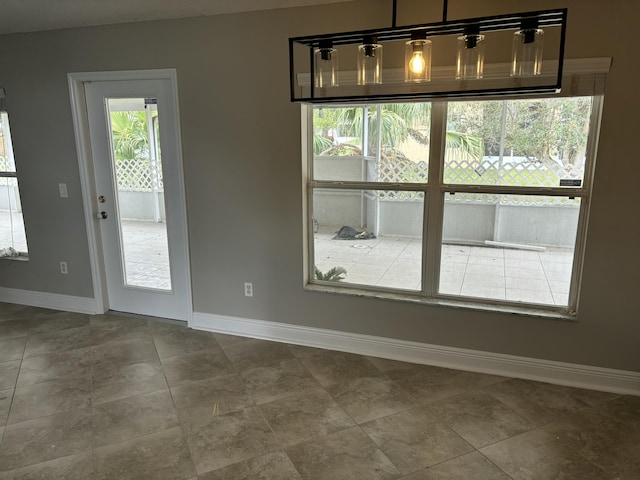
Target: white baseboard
53,301
569,374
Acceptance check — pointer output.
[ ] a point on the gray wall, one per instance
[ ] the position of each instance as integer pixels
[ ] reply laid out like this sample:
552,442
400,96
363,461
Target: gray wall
241,140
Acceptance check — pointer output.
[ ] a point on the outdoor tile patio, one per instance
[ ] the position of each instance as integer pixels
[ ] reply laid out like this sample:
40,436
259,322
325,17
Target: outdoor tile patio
473,271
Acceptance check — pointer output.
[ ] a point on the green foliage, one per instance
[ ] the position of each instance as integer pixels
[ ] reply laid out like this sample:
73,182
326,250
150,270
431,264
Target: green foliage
399,121
320,144
550,130
336,274
130,136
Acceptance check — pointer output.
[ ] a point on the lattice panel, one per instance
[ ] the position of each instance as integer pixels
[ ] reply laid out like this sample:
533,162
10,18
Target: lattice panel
138,176
5,166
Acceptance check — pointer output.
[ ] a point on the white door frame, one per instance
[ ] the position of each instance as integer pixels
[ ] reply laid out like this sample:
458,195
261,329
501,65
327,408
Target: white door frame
87,179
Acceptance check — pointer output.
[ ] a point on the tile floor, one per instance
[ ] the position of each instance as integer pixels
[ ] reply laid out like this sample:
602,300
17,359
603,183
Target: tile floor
472,271
115,397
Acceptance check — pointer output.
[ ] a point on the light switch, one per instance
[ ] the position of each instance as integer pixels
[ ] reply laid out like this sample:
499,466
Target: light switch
63,190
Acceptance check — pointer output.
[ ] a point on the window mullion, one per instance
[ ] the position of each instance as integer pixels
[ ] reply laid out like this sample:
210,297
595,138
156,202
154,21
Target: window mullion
433,214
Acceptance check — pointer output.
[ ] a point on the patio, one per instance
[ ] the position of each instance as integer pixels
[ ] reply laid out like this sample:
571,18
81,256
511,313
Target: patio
497,273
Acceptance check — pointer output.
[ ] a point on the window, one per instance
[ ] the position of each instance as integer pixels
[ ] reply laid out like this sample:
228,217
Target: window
479,202
13,241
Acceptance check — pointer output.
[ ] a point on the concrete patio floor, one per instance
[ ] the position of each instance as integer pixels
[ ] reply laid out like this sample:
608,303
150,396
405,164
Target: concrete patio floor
471,271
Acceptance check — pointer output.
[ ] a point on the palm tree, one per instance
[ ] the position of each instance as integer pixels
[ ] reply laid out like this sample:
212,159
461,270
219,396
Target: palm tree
130,135
399,122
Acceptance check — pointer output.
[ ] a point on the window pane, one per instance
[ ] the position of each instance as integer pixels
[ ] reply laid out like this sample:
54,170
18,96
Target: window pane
508,247
535,143
337,144
346,147
372,237
12,234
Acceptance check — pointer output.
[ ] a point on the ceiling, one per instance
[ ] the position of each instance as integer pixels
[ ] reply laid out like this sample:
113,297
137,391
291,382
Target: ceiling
36,15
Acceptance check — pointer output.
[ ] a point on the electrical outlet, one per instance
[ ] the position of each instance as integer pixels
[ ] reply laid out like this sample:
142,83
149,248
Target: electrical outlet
63,268
63,190
248,289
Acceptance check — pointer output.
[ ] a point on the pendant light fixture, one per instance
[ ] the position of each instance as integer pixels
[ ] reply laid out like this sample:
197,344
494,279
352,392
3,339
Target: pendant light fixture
470,56
370,61
526,57
417,58
314,72
326,64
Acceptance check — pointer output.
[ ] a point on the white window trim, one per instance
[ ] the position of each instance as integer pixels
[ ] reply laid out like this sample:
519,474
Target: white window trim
433,218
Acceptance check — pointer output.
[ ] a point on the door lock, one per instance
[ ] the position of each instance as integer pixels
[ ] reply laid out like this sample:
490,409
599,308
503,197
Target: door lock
101,199
102,215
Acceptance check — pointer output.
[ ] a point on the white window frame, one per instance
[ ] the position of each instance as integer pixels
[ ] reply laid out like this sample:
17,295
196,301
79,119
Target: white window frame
434,191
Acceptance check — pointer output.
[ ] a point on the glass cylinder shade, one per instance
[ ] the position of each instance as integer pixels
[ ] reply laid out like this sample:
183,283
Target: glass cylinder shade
470,57
325,65
369,62
526,56
417,60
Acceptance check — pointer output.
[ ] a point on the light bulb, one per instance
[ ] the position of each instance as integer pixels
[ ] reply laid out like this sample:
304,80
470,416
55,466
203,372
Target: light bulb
417,58
417,63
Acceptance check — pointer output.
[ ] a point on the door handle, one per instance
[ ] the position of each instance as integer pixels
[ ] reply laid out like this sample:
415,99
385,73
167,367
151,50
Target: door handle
102,215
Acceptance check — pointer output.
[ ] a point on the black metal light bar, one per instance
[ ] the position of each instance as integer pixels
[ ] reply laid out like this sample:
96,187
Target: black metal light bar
493,23
489,24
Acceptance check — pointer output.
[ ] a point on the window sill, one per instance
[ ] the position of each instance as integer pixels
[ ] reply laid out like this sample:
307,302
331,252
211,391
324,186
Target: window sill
550,313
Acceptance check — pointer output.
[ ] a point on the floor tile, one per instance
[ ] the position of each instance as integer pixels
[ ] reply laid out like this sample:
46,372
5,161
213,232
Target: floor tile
272,382
183,341
479,418
435,383
14,328
123,352
368,398
127,381
415,439
257,353
196,366
345,454
199,402
304,416
330,367
109,327
470,466
133,417
601,439
45,438
9,374
43,399
5,404
13,311
58,321
272,466
12,348
226,340
625,409
538,455
55,366
74,467
530,296
58,341
160,456
541,402
229,439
